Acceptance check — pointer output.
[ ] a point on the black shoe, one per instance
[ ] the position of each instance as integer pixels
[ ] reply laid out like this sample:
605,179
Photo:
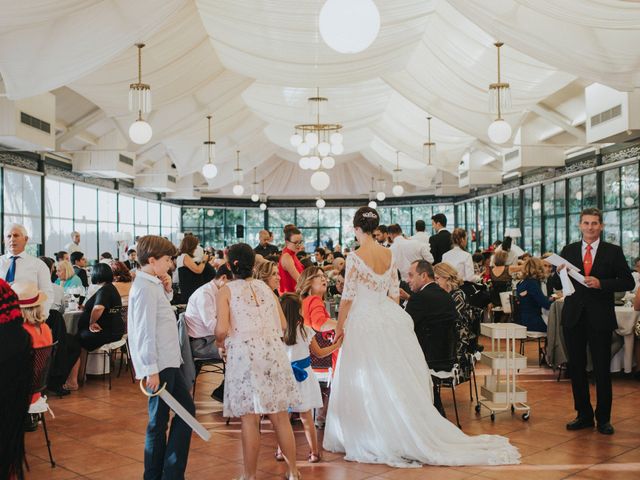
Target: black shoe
580,423
59,391
218,394
31,423
605,428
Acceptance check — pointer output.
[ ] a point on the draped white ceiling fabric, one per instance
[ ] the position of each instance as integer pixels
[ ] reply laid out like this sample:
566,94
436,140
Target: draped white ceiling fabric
252,64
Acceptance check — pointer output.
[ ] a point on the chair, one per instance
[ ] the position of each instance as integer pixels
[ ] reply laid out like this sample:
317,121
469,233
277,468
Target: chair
439,341
42,360
109,352
531,336
207,365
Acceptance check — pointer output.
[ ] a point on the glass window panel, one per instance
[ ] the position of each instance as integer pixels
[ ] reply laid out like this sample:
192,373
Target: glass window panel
612,226
141,214
589,191
279,217
329,237
235,216
575,194
251,235
629,186
165,212
107,238
255,218
348,235
537,221
630,231
574,227
154,217
307,217
561,234
107,206
550,234
423,212
89,238
86,204
330,217
192,218
125,209
385,216
559,204
611,192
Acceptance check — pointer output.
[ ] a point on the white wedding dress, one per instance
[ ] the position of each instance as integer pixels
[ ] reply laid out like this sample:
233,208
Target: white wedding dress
381,405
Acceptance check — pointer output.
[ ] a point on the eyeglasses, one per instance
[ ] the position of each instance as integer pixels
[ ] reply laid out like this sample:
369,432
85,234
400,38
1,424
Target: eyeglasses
300,243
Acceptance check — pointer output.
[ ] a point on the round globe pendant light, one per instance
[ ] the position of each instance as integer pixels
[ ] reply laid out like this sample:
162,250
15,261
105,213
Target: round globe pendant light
314,162
372,204
337,148
295,139
238,190
320,203
430,171
209,170
381,196
349,26
397,190
140,132
263,206
328,163
320,181
304,149
255,197
499,131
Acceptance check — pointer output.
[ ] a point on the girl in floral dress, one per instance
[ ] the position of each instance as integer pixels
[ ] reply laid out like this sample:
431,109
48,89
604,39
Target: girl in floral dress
258,378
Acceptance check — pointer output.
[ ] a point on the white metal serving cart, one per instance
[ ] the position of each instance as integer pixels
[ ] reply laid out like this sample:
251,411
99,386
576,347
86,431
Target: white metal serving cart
500,391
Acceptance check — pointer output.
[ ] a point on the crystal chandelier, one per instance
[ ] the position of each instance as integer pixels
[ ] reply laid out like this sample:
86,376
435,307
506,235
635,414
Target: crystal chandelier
397,189
499,100
429,150
140,132
209,170
238,189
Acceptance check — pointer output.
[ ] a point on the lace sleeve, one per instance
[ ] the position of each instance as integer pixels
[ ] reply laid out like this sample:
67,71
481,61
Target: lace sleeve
394,284
350,279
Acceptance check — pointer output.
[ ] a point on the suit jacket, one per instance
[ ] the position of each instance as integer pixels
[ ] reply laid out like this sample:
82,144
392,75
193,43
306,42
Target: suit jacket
596,305
434,317
440,244
82,273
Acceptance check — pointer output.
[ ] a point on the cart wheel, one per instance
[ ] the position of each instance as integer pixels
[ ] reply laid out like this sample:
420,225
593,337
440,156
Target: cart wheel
513,409
525,416
478,408
493,417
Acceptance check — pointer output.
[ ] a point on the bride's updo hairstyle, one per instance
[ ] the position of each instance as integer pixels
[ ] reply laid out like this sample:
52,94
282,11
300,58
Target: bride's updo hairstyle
241,259
367,219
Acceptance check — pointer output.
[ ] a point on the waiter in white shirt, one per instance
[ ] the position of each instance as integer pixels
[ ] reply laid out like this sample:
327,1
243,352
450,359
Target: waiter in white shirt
74,245
406,251
18,265
459,258
421,235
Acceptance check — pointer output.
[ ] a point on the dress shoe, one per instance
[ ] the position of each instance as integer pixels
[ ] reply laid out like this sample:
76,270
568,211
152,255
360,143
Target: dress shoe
605,428
580,423
59,391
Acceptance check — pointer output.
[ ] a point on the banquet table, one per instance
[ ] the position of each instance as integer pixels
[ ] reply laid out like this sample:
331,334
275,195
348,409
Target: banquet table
556,350
71,319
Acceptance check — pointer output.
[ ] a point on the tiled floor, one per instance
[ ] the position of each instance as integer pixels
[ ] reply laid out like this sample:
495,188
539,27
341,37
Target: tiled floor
98,434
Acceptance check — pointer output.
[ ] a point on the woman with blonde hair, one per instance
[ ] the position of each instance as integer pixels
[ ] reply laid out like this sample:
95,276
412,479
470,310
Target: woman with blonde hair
267,271
67,277
531,300
446,276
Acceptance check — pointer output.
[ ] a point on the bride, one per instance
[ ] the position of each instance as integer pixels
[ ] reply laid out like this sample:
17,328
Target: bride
381,406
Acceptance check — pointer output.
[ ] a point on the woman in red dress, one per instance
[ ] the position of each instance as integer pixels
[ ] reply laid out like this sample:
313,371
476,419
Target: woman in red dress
289,267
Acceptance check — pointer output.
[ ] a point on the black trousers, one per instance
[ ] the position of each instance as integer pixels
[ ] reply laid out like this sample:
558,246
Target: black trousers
577,339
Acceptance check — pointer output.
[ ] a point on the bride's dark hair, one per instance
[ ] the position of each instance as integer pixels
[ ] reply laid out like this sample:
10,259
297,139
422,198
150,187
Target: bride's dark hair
367,219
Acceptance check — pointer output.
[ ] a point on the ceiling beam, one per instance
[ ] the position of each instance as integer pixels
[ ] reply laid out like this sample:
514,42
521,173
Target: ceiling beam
80,126
558,119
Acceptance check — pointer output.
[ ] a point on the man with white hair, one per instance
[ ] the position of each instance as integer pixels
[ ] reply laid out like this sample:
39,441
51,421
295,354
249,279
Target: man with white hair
74,245
17,265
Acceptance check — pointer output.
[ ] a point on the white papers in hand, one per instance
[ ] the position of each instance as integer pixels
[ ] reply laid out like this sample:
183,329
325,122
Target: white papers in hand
567,286
573,271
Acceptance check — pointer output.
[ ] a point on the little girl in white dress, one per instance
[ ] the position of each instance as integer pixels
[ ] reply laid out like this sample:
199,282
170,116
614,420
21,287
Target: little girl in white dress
299,341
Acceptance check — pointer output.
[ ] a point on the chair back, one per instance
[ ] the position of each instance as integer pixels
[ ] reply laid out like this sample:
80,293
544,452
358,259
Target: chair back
439,341
505,302
42,359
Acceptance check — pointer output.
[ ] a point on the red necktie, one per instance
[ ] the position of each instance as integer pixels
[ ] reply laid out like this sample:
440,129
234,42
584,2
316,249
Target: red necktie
588,261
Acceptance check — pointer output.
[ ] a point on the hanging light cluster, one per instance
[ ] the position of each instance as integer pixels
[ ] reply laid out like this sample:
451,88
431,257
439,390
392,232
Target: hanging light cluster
397,189
209,170
238,174
380,195
140,132
372,196
263,198
255,197
429,152
499,100
316,143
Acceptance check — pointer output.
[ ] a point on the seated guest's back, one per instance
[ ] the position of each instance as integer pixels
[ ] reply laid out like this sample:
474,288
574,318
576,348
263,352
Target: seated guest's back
122,280
57,302
530,297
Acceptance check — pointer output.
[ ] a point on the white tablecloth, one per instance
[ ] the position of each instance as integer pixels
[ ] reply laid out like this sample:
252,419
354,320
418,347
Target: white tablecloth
71,318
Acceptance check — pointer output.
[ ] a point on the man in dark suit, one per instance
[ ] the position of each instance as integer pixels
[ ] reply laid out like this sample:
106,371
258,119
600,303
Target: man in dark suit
432,310
441,241
589,318
79,262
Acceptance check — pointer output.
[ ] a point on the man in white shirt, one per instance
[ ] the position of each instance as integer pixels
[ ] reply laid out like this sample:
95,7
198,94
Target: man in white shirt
17,265
406,251
381,234
421,235
74,245
200,319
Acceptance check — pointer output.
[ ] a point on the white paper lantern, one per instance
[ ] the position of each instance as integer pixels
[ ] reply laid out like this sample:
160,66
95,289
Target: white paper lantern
295,139
381,196
320,181
398,190
304,149
323,149
140,132
328,163
349,26
336,138
311,139
303,163
337,148
238,190
372,204
314,162
430,171
536,205
255,197
629,201
209,170
499,131
263,206
320,203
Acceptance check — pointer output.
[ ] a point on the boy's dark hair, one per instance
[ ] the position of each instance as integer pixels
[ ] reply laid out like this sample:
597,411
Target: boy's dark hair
153,246
440,218
101,273
60,255
130,251
75,257
420,226
106,255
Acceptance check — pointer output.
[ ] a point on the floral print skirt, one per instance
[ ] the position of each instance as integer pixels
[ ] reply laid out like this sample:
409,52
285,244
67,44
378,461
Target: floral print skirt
258,378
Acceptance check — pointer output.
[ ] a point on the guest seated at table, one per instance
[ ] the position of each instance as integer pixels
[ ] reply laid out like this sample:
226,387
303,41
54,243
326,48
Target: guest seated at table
106,257
79,263
101,321
122,280
447,278
268,272
132,259
200,319
57,302
530,297
67,277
